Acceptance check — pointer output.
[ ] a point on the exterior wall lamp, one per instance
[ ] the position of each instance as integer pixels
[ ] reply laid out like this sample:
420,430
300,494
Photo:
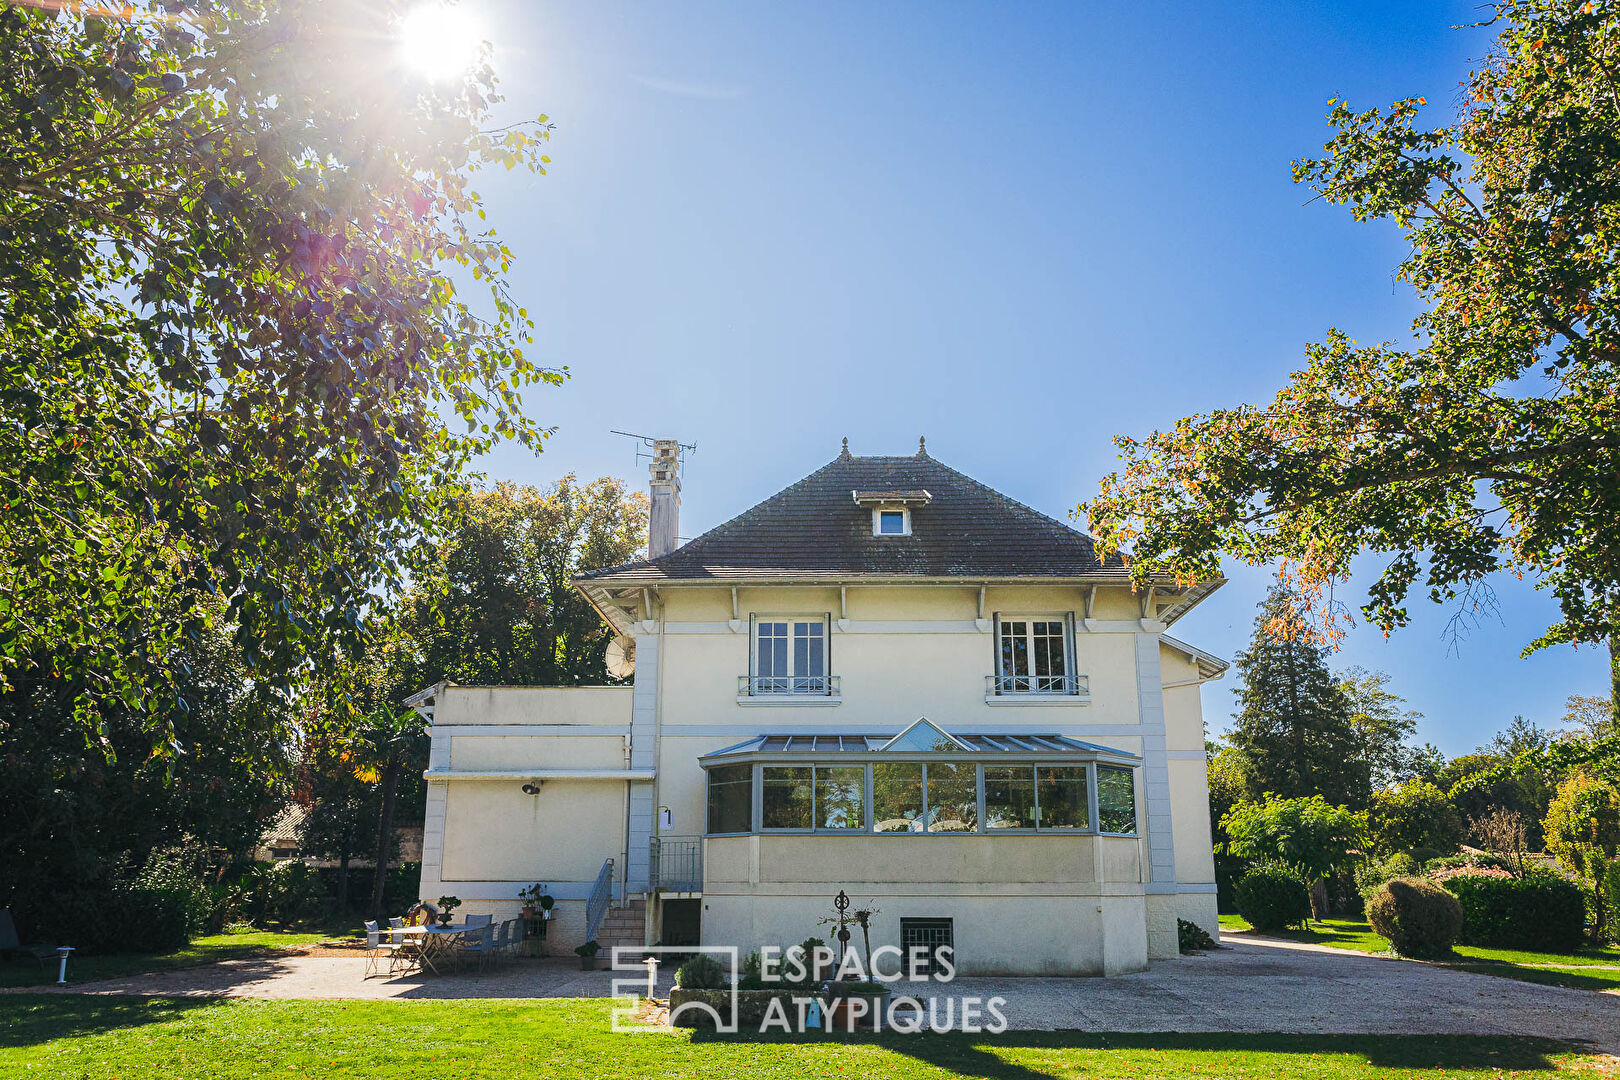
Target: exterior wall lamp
532,787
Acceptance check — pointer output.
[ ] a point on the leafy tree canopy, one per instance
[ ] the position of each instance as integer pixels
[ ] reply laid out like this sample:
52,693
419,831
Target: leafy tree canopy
1489,441
1310,834
496,602
235,245
1385,730
1414,815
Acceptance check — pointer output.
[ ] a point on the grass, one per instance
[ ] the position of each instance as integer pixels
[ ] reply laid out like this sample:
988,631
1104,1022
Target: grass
98,1038
1591,968
202,950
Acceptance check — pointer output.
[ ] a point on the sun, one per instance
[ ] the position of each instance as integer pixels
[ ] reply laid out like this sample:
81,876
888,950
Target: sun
439,40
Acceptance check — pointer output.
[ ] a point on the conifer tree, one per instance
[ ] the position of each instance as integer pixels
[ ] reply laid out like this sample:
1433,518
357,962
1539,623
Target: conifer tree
1295,726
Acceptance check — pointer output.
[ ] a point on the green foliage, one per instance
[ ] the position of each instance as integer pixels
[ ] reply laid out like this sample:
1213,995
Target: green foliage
1413,816
495,604
1370,875
1537,911
1420,919
288,893
1192,938
246,288
75,814
1294,726
1384,730
702,972
1308,834
1583,822
1490,441
1272,898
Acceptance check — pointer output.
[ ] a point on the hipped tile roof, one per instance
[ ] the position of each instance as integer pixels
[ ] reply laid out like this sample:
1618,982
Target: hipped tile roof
815,529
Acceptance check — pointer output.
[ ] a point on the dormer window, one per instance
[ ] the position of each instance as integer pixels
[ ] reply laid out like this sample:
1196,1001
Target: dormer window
891,510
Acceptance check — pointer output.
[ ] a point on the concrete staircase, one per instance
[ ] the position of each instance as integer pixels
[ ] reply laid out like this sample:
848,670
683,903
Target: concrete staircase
625,924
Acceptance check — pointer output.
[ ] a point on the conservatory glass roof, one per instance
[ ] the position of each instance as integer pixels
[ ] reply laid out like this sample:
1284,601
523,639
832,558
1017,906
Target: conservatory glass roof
921,737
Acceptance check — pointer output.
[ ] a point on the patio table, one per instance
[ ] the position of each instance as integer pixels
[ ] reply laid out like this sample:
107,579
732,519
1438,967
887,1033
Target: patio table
432,943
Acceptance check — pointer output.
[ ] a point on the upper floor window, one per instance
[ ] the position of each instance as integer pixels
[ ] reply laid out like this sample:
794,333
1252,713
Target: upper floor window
789,655
1033,655
891,522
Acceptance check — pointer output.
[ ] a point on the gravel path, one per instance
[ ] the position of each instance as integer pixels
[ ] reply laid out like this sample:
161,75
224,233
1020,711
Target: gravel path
1253,985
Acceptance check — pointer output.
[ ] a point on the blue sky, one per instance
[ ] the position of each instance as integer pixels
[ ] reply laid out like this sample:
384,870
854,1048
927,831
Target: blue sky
1016,229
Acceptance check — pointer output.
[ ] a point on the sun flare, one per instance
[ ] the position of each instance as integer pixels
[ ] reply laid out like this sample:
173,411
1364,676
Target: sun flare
439,41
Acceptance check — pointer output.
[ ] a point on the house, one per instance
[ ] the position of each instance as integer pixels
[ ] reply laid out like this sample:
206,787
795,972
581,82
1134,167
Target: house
886,679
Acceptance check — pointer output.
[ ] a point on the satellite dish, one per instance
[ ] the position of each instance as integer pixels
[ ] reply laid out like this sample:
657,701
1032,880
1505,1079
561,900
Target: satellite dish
621,657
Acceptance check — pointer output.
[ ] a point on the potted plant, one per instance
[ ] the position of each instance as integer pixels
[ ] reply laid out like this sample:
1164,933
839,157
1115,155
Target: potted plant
531,899
447,906
587,955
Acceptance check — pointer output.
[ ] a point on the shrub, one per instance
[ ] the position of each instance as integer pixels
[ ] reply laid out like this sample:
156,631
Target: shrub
1370,875
1538,911
1271,898
1420,919
702,972
1193,938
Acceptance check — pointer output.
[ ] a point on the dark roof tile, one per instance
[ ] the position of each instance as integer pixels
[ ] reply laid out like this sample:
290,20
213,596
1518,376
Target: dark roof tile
814,528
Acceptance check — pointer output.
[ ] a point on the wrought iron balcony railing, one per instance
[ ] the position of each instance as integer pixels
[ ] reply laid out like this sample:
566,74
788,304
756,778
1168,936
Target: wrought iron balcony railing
1049,685
782,685
677,864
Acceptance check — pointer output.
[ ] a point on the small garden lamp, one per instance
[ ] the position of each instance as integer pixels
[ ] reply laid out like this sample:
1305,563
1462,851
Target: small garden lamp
61,973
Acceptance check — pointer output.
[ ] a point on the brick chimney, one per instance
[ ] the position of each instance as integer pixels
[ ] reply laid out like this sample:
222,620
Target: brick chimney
666,498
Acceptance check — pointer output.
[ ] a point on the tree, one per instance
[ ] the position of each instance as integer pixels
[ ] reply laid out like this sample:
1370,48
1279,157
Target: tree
1521,788
1521,736
236,246
74,814
1583,831
1492,441
1309,835
1412,816
496,602
1294,727
1589,718
341,816
1384,729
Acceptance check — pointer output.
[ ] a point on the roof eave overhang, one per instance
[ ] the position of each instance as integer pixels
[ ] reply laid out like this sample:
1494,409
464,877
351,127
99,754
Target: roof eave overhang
611,595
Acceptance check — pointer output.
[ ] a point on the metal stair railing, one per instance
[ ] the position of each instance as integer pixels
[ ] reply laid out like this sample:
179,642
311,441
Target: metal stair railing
596,906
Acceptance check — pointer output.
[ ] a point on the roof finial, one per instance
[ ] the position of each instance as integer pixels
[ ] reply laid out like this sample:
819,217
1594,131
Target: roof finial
844,453
922,446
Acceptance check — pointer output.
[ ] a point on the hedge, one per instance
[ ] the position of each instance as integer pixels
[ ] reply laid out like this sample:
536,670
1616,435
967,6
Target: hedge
1540,911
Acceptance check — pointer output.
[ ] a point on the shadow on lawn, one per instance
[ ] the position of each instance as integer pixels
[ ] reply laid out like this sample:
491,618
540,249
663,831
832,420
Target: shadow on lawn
981,1055
37,1018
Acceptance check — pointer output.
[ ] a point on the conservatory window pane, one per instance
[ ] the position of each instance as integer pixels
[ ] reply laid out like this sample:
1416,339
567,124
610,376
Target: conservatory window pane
731,799
841,798
897,797
1009,797
1116,799
786,797
1063,798
953,798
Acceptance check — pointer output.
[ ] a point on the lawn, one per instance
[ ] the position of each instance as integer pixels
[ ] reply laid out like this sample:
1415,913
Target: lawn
1587,969
202,950
89,1038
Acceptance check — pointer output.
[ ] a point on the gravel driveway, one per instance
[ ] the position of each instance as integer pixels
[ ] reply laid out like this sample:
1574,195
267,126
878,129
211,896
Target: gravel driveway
1252,984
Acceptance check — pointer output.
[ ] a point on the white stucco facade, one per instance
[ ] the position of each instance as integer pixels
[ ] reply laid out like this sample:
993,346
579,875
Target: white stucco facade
618,767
